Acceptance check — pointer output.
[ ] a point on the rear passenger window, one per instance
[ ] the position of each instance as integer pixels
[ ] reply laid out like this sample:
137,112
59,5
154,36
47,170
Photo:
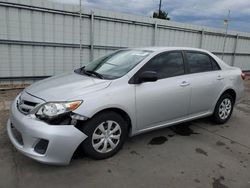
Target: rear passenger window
199,62
166,65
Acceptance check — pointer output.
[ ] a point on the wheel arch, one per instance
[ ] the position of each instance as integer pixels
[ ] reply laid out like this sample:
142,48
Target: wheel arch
231,92
215,114
121,112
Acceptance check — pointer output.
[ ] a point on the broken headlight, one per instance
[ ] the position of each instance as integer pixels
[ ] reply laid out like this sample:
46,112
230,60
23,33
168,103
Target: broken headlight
54,109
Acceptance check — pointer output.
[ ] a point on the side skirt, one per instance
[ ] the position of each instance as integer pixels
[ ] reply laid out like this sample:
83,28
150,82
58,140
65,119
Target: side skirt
170,123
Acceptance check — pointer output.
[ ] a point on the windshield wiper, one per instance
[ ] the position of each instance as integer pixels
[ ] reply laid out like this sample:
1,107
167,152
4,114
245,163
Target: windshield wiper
94,73
82,70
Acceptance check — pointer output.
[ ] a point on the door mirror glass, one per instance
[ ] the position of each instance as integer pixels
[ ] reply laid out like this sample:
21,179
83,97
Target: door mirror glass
147,76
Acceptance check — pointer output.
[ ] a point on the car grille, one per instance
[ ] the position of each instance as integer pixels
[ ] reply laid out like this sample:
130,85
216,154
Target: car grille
25,106
26,103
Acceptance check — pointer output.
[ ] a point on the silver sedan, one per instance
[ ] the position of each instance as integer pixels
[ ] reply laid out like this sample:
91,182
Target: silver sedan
125,93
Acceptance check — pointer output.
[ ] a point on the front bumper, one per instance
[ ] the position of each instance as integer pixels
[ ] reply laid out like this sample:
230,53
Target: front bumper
62,139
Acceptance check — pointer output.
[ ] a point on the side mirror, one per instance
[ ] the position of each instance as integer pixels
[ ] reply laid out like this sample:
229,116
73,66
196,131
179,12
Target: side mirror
147,76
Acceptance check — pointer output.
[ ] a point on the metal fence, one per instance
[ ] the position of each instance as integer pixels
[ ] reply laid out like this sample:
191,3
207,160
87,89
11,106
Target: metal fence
39,38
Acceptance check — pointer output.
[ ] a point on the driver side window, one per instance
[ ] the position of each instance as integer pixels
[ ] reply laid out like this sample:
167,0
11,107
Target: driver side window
166,65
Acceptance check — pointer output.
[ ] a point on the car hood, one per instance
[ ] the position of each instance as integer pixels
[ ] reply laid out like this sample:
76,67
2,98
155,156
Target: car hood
66,86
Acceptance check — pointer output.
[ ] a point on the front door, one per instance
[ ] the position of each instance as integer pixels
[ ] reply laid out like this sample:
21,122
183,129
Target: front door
166,99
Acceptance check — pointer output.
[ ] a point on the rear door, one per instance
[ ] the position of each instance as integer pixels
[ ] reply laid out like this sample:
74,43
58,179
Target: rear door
206,81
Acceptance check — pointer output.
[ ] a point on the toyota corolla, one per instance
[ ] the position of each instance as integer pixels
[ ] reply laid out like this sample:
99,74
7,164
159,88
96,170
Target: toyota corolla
125,93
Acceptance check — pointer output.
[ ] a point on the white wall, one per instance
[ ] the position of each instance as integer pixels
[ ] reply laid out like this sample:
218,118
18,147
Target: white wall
41,38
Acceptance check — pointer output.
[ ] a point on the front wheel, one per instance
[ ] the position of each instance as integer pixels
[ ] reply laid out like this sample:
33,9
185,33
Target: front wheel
106,133
223,109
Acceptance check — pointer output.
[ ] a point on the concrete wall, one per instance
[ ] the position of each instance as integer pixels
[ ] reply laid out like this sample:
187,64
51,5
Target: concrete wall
40,38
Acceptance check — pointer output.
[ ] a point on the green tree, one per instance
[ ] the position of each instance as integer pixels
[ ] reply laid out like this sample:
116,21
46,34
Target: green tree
161,15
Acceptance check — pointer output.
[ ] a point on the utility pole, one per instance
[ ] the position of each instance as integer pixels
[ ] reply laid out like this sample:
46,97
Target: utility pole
226,22
80,34
159,9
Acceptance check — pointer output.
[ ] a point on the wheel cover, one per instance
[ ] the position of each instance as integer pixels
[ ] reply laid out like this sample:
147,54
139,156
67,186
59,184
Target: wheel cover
225,108
106,136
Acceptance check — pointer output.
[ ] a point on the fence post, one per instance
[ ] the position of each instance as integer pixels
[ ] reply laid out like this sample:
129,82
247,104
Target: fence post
92,36
155,34
235,49
80,32
202,35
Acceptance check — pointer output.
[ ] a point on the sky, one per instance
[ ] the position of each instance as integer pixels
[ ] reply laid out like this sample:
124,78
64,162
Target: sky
202,12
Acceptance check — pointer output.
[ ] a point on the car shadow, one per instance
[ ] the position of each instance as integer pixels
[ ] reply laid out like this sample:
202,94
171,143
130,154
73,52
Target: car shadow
159,136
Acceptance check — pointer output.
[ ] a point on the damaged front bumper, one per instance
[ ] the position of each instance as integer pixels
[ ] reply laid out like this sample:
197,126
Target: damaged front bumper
52,144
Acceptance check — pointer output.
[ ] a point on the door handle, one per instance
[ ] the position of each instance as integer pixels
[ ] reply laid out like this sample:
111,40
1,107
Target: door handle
184,83
220,77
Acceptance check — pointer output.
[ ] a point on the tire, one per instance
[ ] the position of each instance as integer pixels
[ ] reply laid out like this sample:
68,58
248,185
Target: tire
223,109
101,130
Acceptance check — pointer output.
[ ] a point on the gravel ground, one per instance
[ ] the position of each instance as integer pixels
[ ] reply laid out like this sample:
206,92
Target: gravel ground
194,154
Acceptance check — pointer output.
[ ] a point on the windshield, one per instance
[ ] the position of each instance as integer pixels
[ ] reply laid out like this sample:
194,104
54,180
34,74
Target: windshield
116,64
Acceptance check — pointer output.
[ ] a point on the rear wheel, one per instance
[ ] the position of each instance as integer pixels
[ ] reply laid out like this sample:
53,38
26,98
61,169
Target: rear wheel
106,135
223,109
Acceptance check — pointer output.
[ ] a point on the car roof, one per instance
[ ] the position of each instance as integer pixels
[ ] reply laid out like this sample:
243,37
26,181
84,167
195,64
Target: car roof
159,49
162,48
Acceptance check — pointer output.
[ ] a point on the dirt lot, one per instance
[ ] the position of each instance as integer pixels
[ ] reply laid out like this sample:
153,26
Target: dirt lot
195,154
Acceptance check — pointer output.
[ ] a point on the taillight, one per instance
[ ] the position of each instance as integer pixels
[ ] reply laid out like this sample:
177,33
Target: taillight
243,76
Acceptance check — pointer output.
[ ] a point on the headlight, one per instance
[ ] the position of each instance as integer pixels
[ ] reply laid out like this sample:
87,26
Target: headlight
54,109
